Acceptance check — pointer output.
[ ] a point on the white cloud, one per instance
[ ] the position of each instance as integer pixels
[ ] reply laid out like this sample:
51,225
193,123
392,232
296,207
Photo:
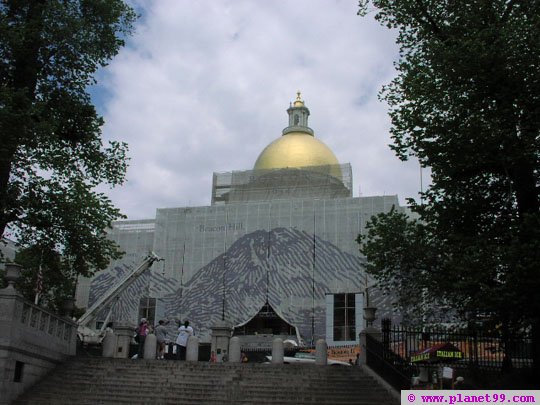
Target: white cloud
203,86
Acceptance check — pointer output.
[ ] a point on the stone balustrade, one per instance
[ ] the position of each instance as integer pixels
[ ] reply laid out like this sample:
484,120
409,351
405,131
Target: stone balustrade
33,341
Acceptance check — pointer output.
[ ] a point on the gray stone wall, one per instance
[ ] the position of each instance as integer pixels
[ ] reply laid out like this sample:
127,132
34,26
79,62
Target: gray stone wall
32,342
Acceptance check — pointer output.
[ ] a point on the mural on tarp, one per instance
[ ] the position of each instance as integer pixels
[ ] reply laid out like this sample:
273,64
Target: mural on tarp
290,268
276,265
127,306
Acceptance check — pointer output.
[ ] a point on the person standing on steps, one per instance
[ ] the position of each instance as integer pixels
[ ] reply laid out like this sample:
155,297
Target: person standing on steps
184,332
213,357
161,336
142,331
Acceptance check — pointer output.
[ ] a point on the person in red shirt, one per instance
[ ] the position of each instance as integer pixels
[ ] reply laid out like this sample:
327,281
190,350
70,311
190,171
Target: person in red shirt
142,332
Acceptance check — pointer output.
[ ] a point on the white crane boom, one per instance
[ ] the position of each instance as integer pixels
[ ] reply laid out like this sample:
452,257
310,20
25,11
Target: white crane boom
117,289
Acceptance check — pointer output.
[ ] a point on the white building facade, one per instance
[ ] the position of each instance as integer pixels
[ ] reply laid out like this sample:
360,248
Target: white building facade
274,254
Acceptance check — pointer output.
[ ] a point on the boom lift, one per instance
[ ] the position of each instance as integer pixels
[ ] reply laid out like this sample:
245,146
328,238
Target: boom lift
91,336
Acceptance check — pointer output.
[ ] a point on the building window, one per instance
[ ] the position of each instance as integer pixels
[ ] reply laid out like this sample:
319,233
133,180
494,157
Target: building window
19,369
344,317
147,309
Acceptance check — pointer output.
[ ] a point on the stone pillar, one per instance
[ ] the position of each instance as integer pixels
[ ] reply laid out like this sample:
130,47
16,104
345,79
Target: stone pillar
192,349
321,353
277,351
124,335
221,335
373,332
150,347
234,350
108,344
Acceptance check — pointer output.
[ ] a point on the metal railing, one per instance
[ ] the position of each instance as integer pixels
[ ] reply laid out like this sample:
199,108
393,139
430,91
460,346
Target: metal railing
395,370
479,350
391,356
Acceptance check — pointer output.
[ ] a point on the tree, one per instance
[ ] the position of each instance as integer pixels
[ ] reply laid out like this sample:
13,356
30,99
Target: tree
466,104
44,262
400,254
51,155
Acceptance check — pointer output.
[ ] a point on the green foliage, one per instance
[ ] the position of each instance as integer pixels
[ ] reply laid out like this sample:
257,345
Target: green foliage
51,156
58,281
465,103
403,258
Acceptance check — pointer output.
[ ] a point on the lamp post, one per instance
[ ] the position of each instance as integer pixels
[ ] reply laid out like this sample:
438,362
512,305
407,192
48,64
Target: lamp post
369,311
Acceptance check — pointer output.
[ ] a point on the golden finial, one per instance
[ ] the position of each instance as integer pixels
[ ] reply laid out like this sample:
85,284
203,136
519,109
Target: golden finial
298,102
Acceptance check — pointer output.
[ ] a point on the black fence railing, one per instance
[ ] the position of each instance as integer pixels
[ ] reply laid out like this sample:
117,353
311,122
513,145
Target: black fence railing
400,352
395,370
478,350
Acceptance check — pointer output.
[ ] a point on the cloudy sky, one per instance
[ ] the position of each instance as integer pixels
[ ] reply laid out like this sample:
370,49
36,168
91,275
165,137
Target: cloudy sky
203,86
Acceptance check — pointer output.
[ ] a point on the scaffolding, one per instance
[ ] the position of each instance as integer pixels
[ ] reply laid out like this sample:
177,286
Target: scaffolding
323,182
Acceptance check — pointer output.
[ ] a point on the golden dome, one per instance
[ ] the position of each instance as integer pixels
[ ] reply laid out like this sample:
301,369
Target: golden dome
296,150
297,147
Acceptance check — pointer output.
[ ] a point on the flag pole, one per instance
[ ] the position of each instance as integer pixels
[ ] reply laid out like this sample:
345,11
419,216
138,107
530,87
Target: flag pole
39,279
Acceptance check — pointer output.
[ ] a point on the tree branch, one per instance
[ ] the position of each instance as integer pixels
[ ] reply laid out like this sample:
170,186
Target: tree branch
435,29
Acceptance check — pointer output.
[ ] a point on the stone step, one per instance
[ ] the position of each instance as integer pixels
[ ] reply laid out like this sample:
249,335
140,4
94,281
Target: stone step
203,401
190,401
165,389
173,377
122,381
200,365
204,396
198,397
206,373
206,392
136,383
261,369
242,380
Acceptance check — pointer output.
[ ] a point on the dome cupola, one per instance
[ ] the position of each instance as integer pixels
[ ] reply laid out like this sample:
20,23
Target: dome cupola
297,147
298,117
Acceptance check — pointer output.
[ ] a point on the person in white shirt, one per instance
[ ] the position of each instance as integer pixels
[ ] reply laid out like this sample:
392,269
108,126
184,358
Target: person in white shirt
184,332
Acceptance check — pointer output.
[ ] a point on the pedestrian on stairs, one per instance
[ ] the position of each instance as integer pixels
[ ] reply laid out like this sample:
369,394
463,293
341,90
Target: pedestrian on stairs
142,332
184,332
161,336
213,358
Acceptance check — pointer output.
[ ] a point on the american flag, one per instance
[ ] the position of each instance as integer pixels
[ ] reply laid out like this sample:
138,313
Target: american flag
39,284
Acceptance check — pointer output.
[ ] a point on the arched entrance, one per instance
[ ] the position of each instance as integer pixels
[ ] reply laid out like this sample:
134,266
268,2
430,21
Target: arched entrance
267,323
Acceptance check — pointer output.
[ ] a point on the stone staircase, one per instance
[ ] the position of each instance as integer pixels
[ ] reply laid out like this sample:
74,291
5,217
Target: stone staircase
94,381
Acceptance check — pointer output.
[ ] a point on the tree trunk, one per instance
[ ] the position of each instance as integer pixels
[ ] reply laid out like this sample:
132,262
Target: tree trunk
524,181
536,349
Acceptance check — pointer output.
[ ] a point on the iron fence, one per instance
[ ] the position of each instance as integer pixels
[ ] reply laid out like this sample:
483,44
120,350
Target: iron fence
394,369
396,355
479,350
